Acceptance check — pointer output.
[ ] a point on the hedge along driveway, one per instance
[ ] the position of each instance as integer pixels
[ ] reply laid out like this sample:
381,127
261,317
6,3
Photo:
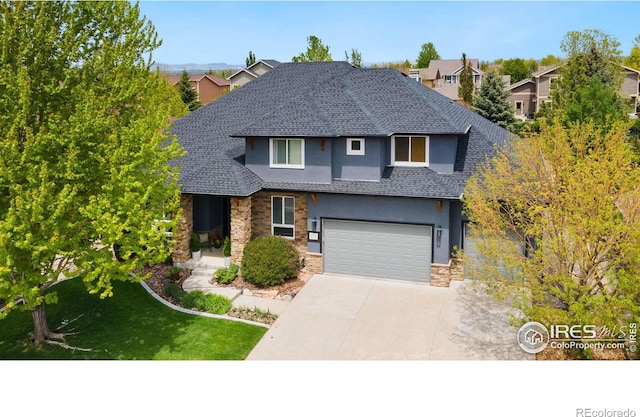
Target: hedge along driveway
129,325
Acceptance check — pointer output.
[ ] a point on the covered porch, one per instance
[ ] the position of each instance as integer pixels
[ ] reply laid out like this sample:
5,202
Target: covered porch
207,215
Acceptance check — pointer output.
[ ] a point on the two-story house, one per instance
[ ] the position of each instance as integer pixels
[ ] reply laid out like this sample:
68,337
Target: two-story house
207,86
528,95
443,75
253,71
362,169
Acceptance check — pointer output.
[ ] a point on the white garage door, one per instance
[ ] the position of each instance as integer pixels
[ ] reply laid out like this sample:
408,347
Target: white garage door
385,250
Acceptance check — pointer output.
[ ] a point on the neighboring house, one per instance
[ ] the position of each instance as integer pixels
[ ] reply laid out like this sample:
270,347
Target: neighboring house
528,95
252,72
443,75
207,86
361,169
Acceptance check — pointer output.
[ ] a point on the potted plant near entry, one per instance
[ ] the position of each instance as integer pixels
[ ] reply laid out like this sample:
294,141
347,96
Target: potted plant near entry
194,245
226,251
217,242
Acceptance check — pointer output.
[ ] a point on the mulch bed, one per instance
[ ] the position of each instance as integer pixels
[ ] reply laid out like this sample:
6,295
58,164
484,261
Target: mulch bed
158,279
278,291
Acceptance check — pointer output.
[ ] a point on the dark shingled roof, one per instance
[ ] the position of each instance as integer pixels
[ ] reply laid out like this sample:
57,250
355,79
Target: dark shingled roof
329,99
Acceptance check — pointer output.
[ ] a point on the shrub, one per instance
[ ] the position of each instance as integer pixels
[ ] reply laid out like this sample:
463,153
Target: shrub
226,247
269,260
212,303
194,242
174,273
173,291
226,275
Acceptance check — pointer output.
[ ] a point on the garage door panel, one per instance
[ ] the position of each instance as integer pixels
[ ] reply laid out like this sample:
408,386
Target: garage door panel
384,250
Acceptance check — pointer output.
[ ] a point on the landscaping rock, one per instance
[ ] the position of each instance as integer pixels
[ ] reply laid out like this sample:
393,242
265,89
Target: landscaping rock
287,297
247,291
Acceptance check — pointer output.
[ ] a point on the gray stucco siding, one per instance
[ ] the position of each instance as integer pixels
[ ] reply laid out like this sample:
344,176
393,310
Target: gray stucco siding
442,152
317,165
358,167
419,211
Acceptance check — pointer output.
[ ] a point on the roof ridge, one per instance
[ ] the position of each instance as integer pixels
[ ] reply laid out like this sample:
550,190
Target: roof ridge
358,102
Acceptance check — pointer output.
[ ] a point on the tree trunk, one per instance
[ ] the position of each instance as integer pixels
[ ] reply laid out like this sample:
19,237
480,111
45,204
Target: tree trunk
41,330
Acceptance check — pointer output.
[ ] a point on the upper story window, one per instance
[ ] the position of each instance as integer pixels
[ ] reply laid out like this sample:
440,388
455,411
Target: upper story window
355,146
451,79
410,150
286,153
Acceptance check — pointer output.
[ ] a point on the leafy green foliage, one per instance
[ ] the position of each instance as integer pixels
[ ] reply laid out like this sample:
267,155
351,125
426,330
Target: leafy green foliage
570,196
174,273
175,292
491,101
427,54
595,101
550,60
188,94
212,303
355,58
269,260
518,68
225,276
226,247
467,88
316,51
84,149
250,59
194,243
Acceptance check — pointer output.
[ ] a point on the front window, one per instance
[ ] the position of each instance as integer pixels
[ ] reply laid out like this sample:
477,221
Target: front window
282,216
286,153
410,150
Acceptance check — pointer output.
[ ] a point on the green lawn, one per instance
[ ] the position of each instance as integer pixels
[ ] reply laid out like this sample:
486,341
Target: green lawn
130,325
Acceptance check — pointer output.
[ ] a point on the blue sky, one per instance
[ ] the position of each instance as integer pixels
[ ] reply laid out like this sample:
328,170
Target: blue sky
206,31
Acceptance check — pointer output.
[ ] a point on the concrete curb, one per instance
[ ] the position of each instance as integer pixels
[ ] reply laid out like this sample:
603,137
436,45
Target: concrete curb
199,313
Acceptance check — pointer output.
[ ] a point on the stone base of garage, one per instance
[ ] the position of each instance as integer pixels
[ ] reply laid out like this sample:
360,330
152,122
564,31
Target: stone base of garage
442,274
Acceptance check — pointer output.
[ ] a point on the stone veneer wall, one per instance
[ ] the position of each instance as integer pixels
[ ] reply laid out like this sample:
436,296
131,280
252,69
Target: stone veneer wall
442,274
261,216
241,213
313,263
181,252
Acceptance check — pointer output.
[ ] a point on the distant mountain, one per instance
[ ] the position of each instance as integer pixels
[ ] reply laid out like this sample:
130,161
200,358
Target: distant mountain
193,68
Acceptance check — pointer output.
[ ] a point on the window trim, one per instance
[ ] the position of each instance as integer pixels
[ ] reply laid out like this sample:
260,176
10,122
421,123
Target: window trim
409,163
283,225
291,166
351,151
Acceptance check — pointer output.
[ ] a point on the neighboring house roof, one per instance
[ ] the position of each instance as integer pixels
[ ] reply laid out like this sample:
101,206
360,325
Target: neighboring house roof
447,67
251,73
519,84
269,62
329,99
174,79
272,63
545,70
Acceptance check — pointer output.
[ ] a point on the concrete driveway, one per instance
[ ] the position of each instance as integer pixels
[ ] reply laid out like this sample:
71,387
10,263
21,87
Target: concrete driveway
340,317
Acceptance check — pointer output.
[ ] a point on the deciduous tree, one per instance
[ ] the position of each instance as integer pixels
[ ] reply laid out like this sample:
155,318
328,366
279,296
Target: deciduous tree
354,58
250,59
316,51
427,54
518,68
550,60
84,150
571,197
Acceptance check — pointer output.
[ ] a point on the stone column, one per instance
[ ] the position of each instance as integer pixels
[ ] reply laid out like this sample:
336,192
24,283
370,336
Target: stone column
240,226
181,252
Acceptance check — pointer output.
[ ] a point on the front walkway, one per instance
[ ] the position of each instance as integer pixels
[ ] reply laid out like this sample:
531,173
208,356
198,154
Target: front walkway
202,273
340,317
